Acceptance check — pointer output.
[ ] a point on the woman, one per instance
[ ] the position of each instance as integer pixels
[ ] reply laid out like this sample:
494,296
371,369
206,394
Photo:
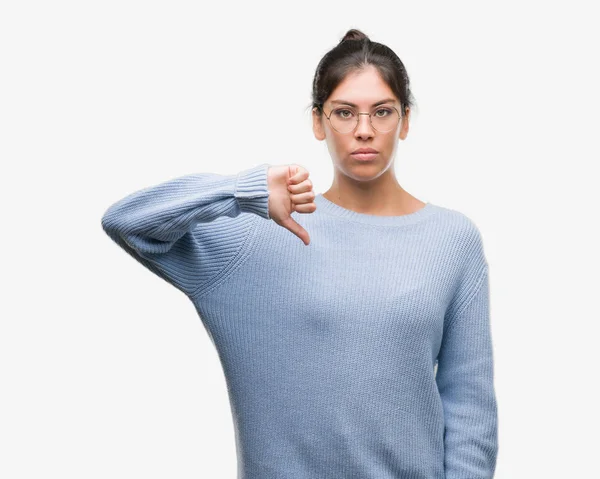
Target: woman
366,355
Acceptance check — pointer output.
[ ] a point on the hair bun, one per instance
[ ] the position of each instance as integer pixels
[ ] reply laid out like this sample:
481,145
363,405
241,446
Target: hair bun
354,34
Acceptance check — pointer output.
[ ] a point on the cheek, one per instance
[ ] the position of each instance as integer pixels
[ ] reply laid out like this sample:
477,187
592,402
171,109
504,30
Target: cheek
337,146
342,143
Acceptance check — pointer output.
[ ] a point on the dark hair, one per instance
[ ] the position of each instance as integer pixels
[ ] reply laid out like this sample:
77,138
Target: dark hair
354,52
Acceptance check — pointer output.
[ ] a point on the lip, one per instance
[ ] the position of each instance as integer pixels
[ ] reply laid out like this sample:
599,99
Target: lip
364,156
365,150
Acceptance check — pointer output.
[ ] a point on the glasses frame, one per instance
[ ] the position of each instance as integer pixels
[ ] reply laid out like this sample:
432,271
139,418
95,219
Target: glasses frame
358,119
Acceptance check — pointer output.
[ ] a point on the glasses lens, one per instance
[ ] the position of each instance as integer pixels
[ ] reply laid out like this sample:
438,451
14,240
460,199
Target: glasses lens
343,119
383,119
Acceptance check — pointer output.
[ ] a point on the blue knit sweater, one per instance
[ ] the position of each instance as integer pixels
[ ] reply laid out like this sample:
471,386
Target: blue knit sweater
366,354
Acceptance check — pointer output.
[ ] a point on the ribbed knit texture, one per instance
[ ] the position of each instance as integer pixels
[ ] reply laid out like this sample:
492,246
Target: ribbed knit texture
366,354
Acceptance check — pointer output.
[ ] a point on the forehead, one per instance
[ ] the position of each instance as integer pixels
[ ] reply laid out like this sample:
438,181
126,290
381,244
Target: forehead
364,88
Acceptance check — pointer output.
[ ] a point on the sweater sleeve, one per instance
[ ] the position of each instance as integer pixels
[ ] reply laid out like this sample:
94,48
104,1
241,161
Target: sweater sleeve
465,380
187,230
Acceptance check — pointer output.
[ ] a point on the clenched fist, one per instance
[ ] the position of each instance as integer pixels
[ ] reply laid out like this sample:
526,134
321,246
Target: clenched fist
290,190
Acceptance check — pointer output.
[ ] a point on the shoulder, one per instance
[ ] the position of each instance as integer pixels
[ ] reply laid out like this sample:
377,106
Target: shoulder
460,229
464,249
468,252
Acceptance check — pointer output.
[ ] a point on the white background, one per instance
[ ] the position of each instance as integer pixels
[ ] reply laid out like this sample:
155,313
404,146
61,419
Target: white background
107,371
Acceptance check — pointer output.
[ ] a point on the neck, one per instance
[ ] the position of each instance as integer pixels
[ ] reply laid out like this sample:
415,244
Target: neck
383,196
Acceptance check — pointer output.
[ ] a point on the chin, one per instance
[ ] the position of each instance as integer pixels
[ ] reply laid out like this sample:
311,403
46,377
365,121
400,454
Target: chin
366,171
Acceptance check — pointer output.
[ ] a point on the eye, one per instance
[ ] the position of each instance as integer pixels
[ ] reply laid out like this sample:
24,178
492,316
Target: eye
386,112
344,113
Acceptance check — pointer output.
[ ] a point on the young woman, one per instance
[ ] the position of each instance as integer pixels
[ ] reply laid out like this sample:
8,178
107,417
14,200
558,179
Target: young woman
367,354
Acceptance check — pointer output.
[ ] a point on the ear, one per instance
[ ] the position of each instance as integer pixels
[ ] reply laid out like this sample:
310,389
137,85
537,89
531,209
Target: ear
318,127
405,124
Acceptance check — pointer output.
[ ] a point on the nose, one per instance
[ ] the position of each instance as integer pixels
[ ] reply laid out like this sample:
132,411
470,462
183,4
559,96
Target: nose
364,129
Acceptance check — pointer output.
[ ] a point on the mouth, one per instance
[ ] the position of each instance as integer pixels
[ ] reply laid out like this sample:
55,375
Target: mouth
365,150
364,156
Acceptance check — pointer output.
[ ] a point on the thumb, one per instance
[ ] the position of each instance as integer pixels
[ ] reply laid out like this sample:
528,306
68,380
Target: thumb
292,170
291,225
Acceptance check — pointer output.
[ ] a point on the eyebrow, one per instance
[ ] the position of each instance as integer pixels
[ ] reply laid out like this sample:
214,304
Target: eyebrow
344,102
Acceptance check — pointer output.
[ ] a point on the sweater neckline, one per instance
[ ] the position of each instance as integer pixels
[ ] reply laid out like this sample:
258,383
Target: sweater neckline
334,209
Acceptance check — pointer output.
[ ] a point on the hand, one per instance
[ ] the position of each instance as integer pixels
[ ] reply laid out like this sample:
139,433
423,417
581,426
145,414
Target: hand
290,190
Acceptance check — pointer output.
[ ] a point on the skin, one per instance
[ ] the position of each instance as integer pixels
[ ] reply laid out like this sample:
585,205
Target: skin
371,187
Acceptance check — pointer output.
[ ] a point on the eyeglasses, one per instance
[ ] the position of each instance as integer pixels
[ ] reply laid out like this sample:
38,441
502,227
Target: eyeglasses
345,119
